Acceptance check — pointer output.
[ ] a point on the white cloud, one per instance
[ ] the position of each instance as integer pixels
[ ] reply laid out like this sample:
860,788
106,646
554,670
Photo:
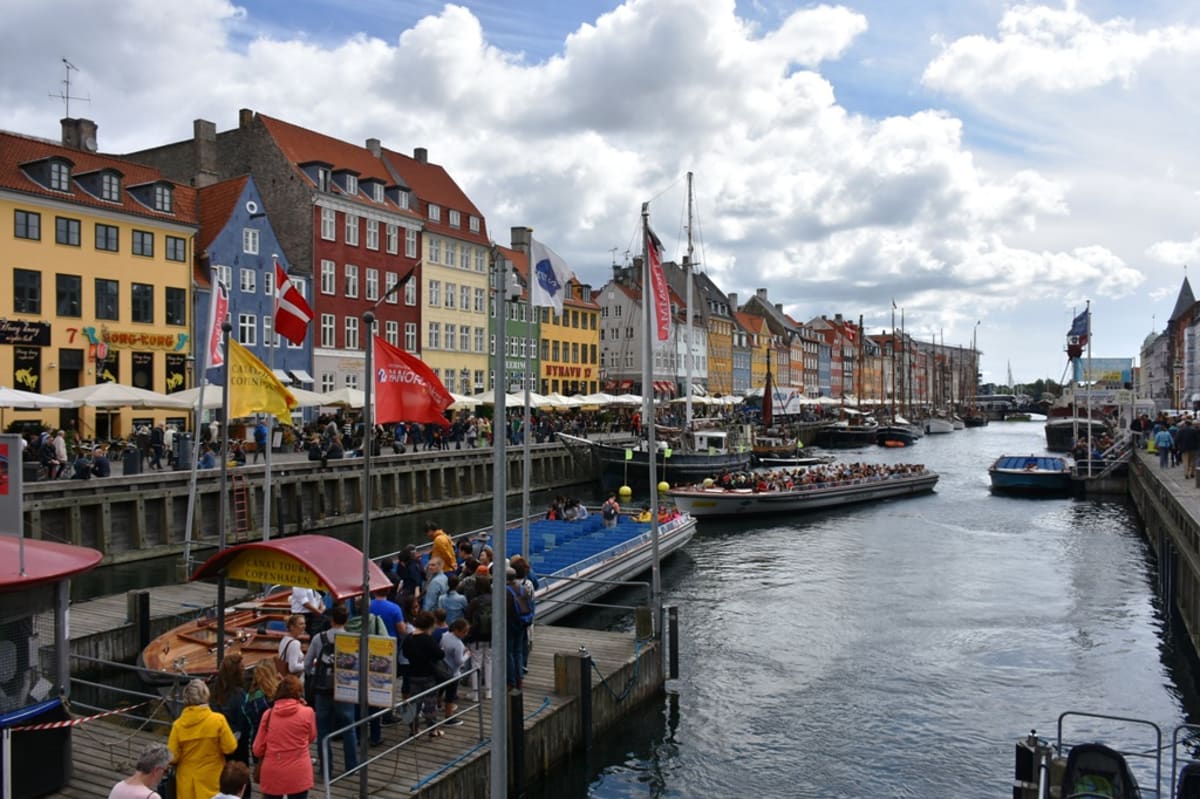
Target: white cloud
1053,50
1175,253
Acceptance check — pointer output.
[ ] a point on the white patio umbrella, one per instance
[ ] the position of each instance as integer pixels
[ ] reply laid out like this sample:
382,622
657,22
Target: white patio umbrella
306,398
599,398
345,397
27,400
463,402
627,400
115,395
190,396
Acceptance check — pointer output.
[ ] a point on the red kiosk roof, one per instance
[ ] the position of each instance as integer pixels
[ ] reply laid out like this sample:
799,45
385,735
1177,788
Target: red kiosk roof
45,562
315,561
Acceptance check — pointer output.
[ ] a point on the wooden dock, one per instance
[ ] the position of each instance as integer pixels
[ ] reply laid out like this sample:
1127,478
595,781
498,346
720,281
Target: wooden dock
458,764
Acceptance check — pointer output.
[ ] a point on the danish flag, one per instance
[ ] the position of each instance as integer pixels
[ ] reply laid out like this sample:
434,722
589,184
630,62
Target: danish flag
292,312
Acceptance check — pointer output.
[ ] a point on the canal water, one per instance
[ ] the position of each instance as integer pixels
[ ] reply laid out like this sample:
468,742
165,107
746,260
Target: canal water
897,649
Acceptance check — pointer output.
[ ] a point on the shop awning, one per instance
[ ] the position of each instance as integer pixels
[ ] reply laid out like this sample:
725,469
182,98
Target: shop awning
626,385
308,561
283,376
302,377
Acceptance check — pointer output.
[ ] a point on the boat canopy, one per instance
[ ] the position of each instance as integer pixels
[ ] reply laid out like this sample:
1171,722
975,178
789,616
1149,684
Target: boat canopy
45,562
1041,463
308,561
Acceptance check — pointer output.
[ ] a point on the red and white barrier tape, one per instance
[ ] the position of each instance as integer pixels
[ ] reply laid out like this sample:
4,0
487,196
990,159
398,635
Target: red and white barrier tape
58,725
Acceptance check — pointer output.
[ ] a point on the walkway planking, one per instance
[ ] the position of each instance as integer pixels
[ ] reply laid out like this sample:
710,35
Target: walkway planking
169,601
103,752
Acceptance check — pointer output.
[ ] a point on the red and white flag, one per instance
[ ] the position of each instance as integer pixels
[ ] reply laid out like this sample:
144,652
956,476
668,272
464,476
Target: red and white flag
406,390
658,286
292,311
218,310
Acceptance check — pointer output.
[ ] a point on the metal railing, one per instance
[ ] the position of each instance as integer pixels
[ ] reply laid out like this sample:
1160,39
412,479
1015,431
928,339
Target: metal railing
167,700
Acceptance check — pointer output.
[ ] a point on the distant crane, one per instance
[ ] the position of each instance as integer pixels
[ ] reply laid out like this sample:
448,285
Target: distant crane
66,95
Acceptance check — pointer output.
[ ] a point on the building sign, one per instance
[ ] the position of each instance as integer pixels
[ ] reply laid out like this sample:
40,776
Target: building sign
128,339
272,568
108,365
176,372
16,331
381,669
27,368
555,370
143,370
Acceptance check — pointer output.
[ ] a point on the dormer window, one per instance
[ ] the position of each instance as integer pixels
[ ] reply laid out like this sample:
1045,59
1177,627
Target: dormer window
378,193
110,187
455,219
60,176
352,185
323,178
162,198
435,213
473,223
403,197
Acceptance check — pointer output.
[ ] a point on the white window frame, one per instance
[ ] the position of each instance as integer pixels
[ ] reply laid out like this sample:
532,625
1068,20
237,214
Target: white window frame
451,334
451,253
410,336
464,338
435,250
433,296
250,241
324,178
351,332
464,298
473,223
247,329
328,331
328,382
403,200
352,380
60,176
392,235
480,264
389,283
225,276
455,218
351,282
352,230
266,323
435,335
391,332
479,334
247,280
451,295
410,243
163,199
410,292
328,224
435,212
328,276
372,287
378,193
269,282
352,185
110,188
480,301
372,234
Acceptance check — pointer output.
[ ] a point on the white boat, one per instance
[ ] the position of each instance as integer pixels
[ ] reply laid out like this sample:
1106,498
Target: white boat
938,424
712,500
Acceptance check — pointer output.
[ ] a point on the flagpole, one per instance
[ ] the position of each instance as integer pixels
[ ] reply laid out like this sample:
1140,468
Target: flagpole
525,454
202,375
648,404
267,495
223,506
1088,311
365,601
499,748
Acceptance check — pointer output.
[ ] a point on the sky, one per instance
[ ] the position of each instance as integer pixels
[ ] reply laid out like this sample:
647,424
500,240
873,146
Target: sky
988,167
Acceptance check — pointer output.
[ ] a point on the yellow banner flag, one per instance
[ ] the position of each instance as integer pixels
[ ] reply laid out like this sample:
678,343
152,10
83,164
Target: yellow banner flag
253,388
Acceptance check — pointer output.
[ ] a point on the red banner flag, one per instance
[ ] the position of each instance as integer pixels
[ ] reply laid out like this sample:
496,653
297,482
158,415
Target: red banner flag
406,390
219,309
292,312
658,287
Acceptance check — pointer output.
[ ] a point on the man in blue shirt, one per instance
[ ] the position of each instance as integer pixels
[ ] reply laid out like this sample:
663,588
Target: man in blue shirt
435,585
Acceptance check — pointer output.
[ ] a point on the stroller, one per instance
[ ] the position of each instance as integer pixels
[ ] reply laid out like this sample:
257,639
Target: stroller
1094,771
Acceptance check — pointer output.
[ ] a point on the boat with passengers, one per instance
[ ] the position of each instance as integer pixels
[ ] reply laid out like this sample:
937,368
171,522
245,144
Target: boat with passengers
1031,474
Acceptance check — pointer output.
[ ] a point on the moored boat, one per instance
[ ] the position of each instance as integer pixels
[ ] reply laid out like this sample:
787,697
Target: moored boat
855,431
935,425
809,490
628,464
1031,474
1062,432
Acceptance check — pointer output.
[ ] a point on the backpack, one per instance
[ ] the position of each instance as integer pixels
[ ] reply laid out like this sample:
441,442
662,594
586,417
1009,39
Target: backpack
481,623
609,511
374,627
281,661
322,676
523,605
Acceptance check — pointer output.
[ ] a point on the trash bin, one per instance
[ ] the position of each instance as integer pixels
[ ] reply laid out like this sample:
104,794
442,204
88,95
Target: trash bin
132,461
30,471
183,451
41,759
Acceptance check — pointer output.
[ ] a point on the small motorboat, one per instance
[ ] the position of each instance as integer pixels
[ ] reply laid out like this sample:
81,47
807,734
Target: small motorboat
1048,475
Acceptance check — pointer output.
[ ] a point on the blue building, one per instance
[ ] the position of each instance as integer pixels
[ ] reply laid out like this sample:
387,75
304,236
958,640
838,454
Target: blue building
825,369
238,245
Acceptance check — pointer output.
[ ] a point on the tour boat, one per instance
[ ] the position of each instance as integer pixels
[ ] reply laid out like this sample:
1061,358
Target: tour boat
1062,432
1031,474
713,500
628,464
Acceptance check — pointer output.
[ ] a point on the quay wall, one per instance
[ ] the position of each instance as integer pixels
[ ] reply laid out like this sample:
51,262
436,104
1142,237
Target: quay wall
1170,514
145,516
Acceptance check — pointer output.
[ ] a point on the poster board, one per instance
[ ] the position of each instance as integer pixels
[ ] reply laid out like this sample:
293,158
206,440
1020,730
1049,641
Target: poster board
381,669
12,516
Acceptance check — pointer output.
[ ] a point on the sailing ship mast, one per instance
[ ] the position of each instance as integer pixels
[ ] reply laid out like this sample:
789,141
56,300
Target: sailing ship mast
687,277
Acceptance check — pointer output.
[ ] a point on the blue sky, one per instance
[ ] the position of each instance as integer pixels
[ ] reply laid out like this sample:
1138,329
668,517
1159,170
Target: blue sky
973,160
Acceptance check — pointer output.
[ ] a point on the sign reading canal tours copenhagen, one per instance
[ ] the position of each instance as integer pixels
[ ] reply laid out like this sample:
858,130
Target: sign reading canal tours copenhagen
272,568
16,331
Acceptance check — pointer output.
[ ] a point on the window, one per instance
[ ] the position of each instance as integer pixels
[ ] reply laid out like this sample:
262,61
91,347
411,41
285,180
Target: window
478,380
545,349
352,185
465,263
451,253
110,187
377,192
435,335
473,223
492,344
410,292
351,332
27,225
248,281
554,351
108,299
479,262
352,380
451,335
107,237
60,176
327,383
410,336
250,241
389,285
66,231
372,234
372,283
464,338
435,250
328,277
410,243
574,352
327,331
393,239
479,300
267,332
391,332
269,282
225,275
176,248
143,243
455,219
435,293
351,281
352,229
402,197
328,223
27,291
176,306
68,290
464,300
435,212
143,303
162,198
479,339
247,329
451,292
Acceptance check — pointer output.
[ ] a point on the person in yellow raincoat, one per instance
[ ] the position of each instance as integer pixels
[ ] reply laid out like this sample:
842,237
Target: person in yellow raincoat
199,741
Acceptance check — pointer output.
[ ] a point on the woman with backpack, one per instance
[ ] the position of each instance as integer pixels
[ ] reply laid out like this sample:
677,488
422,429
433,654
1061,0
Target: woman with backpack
228,696
422,651
479,639
610,511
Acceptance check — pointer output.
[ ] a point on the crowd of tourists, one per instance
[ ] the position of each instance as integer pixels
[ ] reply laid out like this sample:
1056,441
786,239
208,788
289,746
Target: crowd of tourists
817,475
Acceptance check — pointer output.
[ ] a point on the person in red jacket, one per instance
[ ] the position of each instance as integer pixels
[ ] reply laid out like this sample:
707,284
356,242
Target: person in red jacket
282,742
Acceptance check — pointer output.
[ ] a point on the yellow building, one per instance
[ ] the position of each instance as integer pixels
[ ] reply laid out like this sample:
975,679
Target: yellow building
570,344
761,347
95,276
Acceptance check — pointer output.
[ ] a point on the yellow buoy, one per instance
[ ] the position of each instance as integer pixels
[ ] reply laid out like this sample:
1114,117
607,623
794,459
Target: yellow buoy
664,487
625,492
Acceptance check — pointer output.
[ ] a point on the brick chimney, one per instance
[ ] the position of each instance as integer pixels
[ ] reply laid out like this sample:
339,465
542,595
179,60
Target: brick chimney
245,117
761,294
733,298
420,155
79,134
519,238
375,147
204,152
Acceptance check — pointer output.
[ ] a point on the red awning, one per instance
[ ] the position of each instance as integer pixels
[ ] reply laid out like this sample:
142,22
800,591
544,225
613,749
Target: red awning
626,385
45,562
664,387
312,561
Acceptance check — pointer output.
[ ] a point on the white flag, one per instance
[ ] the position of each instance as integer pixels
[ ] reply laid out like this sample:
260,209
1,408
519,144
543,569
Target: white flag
549,275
